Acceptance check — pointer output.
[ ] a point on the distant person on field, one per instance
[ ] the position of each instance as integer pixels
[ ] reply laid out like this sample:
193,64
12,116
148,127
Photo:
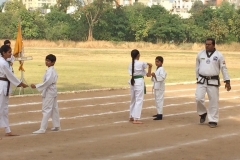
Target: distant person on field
10,60
49,96
209,63
158,79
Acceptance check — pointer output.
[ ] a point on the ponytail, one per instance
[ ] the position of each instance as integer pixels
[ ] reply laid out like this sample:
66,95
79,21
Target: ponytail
132,80
134,55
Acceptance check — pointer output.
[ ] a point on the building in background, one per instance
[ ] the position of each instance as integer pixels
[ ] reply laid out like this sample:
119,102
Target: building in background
180,7
34,4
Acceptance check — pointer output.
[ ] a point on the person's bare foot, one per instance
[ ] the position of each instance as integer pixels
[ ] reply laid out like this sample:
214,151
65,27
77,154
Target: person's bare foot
137,122
11,134
131,119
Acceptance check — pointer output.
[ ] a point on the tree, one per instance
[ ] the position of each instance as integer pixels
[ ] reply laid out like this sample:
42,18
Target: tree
228,14
14,6
137,23
113,26
217,29
92,11
62,5
167,28
8,27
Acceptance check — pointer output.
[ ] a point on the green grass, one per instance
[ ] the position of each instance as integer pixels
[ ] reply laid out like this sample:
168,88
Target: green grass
83,69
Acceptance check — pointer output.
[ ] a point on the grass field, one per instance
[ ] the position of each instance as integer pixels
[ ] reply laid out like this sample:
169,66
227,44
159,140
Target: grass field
83,69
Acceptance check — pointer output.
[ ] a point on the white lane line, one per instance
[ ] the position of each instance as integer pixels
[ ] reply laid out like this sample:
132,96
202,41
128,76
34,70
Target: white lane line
108,89
101,104
152,150
113,103
104,97
107,137
106,113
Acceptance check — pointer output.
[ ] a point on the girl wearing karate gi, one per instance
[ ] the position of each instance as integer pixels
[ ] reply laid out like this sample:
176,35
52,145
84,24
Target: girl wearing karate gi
6,77
49,96
136,69
158,79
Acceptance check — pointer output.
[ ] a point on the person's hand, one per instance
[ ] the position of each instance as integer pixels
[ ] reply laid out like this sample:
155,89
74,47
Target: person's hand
11,63
33,86
150,65
153,74
24,85
228,86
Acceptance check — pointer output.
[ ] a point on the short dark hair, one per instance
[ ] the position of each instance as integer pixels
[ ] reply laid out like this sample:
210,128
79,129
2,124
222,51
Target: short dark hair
160,58
4,48
6,42
211,39
51,57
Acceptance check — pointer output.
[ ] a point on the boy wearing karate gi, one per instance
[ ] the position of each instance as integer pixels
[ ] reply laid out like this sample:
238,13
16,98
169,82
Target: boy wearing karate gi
136,69
6,78
158,79
49,96
209,63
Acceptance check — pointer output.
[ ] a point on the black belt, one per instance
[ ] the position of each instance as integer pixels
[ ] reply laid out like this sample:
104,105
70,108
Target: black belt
209,77
5,79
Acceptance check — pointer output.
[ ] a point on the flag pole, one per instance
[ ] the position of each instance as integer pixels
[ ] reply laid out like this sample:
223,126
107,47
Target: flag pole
21,59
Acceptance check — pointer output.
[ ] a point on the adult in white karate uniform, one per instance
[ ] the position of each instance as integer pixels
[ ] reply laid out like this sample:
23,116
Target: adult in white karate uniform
49,96
6,77
158,79
209,62
136,69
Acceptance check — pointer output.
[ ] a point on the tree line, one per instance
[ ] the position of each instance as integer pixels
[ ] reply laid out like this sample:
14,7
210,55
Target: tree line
106,20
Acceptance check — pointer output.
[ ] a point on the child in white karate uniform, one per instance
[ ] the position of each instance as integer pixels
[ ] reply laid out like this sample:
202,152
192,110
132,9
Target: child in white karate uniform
49,96
136,69
6,78
158,79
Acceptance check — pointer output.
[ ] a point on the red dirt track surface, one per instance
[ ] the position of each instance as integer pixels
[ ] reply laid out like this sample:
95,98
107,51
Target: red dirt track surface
95,126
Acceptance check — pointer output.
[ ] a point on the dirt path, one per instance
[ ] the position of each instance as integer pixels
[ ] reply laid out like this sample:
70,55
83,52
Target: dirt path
95,126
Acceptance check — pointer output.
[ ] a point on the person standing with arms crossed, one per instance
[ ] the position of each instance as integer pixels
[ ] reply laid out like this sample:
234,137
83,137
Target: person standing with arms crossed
136,69
209,62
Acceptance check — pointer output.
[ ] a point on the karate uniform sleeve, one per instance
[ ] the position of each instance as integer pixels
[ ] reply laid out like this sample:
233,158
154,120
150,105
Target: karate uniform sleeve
12,58
197,66
130,69
10,76
223,68
161,76
144,65
48,81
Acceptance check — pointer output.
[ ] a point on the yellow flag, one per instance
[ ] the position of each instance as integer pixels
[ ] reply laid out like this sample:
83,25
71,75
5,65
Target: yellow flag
18,46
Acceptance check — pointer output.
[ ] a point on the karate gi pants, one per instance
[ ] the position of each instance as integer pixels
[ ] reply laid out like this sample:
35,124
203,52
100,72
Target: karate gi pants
4,123
159,99
213,96
137,96
50,110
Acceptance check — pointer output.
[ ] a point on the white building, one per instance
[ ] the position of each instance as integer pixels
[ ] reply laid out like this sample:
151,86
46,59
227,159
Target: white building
182,7
130,2
164,3
34,4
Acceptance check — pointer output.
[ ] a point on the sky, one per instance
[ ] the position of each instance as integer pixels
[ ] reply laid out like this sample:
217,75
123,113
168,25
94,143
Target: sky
1,1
